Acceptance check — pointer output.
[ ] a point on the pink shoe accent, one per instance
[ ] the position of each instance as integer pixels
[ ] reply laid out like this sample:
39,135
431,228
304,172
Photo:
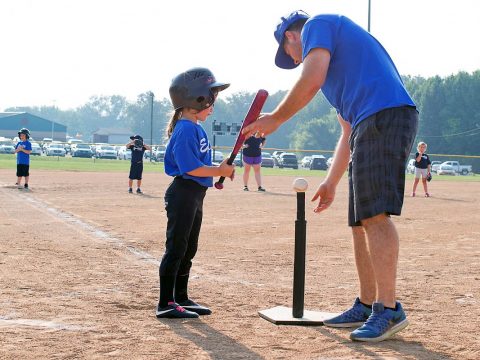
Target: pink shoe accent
177,307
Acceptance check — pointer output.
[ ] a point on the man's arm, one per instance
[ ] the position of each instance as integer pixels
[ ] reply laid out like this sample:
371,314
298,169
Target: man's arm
315,67
326,191
341,157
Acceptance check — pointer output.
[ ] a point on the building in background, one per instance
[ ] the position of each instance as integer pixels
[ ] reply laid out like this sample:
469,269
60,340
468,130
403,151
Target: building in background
111,136
11,122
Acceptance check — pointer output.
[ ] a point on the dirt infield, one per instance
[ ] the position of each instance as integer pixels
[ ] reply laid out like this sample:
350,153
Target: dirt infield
79,272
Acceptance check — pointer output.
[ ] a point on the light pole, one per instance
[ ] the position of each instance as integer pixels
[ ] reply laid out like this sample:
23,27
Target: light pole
151,124
369,15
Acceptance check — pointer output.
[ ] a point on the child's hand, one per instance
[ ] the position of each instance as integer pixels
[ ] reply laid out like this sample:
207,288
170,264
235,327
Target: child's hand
227,170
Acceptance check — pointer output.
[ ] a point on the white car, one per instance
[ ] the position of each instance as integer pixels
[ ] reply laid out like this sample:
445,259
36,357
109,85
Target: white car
106,152
411,166
435,165
36,149
7,149
124,153
81,150
217,156
55,149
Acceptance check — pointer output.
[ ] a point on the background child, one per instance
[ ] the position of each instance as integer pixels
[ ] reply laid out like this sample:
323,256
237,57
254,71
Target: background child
23,150
422,168
252,158
138,148
188,159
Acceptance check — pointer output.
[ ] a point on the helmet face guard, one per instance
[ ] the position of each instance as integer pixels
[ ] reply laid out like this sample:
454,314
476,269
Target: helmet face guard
24,131
196,89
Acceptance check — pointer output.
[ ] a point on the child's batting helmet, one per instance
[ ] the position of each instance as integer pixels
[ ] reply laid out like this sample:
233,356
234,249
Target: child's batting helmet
195,88
24,131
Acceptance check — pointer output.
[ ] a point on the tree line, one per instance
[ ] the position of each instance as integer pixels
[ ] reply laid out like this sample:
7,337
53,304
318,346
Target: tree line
449,110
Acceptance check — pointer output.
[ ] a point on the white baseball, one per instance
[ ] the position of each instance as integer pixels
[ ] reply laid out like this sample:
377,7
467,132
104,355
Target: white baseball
300,185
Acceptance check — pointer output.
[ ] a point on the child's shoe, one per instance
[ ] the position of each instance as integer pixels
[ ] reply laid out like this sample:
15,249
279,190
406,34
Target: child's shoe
173,310
245,188
130,191
193,306
139,191
261,189
427,195
413,194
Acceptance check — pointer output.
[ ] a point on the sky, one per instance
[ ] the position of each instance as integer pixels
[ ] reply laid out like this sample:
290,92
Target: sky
62,52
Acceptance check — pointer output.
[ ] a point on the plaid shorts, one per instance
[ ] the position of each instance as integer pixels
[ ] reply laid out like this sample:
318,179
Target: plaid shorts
379,149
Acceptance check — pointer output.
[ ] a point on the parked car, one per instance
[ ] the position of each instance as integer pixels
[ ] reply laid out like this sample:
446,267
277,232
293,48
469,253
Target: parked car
217,156
81,150
267,160
105,152
452,168
124,154
411,166
55,149
276,156
306,161
329,161
6,147
36,149
434,166
288,160
238,160
319,162
45,143
159,155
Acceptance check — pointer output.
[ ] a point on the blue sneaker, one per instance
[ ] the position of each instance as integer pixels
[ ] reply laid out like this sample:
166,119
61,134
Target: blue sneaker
382,324
353,317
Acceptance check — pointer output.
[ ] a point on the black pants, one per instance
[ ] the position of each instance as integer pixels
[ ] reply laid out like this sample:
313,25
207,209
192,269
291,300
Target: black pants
184,206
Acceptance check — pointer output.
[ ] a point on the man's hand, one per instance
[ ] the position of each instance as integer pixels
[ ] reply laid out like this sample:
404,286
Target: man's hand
264,125
326,195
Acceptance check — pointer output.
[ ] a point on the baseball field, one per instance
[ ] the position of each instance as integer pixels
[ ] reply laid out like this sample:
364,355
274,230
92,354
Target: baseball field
79,271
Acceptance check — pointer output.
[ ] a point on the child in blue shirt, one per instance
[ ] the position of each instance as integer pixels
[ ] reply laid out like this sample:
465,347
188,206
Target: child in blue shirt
188,159
23,149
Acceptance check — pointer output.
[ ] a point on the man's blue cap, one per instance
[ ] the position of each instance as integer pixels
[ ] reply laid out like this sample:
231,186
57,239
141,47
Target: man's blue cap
282,60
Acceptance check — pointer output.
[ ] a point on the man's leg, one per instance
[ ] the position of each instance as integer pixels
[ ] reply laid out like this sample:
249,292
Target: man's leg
383,244
366,275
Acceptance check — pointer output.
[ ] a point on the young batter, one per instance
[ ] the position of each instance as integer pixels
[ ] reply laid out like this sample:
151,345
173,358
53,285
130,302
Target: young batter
23,149
188,159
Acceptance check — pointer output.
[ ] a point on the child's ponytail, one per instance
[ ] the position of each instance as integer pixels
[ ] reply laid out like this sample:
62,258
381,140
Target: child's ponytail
173,121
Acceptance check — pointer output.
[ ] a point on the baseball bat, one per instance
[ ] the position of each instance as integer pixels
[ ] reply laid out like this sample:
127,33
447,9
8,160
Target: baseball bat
252,115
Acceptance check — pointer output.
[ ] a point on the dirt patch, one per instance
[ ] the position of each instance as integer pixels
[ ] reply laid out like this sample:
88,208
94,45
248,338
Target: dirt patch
79,272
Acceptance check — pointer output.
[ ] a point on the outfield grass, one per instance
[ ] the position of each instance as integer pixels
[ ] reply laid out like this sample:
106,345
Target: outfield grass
56,163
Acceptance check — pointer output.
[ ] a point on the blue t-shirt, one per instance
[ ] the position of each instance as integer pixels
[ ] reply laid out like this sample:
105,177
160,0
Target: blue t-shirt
362,78
187,150
22,158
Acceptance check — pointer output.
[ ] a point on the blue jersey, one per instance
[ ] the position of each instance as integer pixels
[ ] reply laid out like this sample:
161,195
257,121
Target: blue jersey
362,78
23,158
187,150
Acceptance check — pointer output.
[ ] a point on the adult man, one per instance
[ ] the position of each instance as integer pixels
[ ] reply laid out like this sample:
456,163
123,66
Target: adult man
379,122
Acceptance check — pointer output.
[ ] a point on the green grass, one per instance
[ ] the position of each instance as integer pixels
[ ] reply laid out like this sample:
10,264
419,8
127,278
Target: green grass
76,164
98,165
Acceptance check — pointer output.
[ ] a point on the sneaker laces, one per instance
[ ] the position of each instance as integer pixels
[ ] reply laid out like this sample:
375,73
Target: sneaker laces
377,321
